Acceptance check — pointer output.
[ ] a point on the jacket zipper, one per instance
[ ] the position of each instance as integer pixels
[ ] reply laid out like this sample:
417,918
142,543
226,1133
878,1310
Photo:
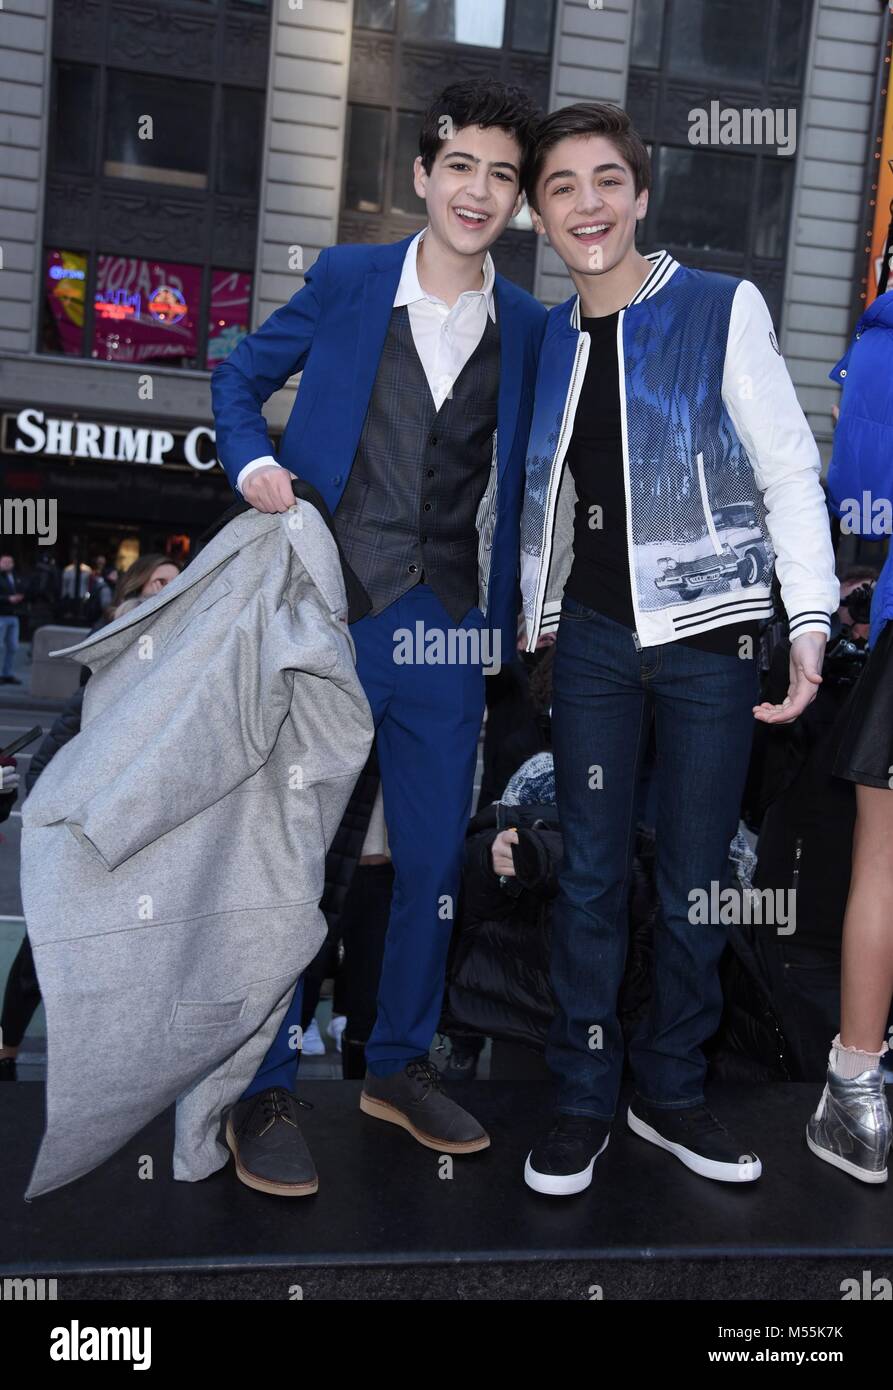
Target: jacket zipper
705,503
798,854
556,472
624,436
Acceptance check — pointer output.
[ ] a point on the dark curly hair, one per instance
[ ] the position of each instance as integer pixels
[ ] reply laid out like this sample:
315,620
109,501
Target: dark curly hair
481,102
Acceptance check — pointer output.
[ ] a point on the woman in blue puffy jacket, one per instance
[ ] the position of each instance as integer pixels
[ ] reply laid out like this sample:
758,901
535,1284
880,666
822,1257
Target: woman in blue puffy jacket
851,1127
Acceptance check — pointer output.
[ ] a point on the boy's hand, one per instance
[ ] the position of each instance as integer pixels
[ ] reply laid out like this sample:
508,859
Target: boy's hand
807,655
269,489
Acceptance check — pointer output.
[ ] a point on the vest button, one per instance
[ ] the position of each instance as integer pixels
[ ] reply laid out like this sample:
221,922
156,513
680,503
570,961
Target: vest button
424,539
337,479
427,507
433,439
412,569
430,472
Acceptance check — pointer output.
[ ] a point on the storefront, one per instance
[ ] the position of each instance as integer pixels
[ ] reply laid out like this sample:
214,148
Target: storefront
106,486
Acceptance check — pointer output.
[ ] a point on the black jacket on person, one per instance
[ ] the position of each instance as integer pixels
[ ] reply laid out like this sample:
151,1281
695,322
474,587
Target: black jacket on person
64,727
498,977
7,609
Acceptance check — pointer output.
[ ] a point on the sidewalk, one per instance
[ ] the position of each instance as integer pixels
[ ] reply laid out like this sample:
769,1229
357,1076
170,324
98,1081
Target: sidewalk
19,696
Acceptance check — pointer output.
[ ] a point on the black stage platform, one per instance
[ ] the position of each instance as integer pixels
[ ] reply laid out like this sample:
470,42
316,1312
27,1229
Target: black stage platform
385,1224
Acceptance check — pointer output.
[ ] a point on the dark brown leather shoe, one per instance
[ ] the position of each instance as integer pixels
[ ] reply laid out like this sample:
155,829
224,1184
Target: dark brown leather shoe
414,1099
270,1151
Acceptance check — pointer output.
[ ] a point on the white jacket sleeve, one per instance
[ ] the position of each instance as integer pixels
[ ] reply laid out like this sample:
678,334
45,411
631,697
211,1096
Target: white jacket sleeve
760,398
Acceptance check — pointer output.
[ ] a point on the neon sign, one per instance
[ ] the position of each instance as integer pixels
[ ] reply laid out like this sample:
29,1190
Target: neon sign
167,304
117,304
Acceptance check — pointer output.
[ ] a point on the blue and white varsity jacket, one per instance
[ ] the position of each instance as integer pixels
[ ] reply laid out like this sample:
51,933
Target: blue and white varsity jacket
721,469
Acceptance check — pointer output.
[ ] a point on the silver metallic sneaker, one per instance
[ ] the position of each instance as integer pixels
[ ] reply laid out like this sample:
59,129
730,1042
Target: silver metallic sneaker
851,1127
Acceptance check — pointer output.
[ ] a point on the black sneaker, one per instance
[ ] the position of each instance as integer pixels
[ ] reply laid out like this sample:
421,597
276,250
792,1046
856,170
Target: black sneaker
562,1163
697,1139
270,1151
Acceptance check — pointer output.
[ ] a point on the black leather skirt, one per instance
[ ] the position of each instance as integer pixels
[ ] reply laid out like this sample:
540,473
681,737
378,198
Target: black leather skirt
864,729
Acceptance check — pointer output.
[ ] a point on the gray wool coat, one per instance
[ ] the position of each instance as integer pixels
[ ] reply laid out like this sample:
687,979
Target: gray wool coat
173,852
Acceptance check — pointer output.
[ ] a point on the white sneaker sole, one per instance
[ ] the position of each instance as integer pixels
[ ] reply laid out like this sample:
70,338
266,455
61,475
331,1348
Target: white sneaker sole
561,1184
844,1163
706,1167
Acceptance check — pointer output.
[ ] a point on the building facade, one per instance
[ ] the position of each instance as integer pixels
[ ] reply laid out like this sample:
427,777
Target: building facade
168,169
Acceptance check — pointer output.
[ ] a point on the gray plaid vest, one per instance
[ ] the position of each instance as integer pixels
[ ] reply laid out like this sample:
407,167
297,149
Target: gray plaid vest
411,500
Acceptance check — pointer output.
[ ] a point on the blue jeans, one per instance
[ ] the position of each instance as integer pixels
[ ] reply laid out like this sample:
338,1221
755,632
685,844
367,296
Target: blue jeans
9,643
604,693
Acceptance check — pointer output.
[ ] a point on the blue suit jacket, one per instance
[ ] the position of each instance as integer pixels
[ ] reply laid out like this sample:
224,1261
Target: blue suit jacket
334,330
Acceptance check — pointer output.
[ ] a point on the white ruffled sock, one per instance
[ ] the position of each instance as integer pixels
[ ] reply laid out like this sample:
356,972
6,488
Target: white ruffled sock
850,1061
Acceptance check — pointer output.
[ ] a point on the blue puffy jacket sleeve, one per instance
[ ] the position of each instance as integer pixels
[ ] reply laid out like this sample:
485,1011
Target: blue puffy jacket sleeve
860,475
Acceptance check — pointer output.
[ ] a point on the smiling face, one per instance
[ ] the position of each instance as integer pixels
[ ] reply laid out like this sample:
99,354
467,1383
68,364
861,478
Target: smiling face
588,205
473,190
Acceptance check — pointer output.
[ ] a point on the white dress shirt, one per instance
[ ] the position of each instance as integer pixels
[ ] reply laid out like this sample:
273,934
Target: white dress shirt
444,337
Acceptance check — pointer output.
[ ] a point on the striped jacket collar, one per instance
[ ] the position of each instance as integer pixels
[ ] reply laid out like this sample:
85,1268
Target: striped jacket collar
663,267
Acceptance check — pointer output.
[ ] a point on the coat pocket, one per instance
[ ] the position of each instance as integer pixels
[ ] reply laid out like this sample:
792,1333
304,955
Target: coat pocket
191,1013
215,591
708,511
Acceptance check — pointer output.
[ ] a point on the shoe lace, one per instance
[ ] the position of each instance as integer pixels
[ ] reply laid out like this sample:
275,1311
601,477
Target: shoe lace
702,1122
425,1071
567,1131
279,1104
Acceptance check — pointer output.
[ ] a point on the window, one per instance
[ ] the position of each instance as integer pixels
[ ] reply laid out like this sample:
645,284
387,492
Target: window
456,21
65,282
532,26
157,130
155,151
720,207
375,14
405,199
367,136
145,311
648,23
74,117
238,165
703,200
719,39
230,316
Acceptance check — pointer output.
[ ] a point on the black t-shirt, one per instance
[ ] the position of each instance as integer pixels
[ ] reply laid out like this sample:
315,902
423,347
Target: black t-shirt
600,576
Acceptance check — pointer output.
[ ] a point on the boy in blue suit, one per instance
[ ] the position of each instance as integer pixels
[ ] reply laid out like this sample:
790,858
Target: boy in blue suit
411,420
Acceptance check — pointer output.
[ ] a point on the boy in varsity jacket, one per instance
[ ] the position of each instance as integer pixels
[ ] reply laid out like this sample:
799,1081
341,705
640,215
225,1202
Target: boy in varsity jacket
669,469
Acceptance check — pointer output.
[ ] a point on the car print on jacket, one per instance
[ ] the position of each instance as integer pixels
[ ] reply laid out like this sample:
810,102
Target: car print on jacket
741,555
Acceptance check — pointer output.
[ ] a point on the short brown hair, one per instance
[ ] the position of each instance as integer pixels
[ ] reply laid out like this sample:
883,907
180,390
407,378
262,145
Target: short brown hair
589,118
